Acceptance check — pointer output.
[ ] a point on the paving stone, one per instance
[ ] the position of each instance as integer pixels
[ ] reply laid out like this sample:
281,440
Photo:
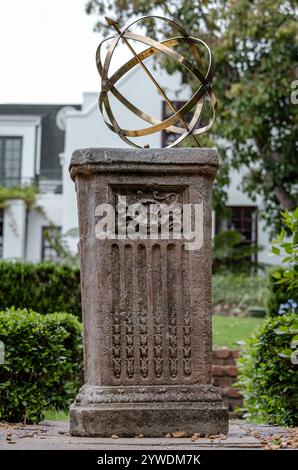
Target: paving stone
48,436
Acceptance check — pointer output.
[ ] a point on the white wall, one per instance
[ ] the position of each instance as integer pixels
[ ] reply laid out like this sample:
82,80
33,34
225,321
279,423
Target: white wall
14,229
236,197
19,225
52,205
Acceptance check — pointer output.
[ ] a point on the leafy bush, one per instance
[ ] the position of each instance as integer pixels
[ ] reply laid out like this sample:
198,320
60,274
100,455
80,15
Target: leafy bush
283,282
238,289
276,295
229,253
64,391
43,287
267,376
43,363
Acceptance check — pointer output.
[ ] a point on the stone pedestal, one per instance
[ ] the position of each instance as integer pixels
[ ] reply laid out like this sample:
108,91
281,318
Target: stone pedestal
146,302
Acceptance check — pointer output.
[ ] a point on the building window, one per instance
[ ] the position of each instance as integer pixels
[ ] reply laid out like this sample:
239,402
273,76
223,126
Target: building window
10,161
244,220
1,232
50,240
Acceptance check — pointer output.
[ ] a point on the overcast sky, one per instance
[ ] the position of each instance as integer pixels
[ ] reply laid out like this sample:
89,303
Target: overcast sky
47,51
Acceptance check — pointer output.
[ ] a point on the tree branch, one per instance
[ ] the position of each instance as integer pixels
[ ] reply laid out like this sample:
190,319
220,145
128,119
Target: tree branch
284,198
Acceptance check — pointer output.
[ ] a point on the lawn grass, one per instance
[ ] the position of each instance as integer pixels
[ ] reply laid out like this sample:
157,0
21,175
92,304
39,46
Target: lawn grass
52,414
228,331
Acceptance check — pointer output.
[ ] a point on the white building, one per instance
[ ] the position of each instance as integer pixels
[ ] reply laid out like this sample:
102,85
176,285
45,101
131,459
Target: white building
36,144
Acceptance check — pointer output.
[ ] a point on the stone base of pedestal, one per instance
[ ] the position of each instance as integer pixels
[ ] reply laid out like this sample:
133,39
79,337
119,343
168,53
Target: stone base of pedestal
152,411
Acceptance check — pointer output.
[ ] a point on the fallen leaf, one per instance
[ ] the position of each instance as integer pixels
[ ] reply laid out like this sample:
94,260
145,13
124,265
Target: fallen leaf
179,434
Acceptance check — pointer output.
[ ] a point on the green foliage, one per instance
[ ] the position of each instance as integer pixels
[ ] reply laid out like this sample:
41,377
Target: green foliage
283,281
276,295
43,287
27,194
288,278
58,243
43,363
238,289
71,379
268,379
230,254
254,43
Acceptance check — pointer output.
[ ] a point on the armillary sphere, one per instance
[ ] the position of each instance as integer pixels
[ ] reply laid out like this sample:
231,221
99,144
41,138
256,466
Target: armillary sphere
196,102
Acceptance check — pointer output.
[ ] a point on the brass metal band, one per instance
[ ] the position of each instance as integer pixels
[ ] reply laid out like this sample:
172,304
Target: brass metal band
197,100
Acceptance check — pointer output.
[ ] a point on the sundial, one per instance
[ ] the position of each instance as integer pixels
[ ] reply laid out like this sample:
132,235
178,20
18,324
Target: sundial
178,122
145,252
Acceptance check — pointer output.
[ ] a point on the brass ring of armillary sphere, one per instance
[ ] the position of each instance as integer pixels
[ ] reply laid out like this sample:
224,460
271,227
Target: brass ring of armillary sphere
168,124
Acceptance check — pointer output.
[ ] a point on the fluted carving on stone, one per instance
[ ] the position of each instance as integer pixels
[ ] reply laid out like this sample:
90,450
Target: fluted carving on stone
116,325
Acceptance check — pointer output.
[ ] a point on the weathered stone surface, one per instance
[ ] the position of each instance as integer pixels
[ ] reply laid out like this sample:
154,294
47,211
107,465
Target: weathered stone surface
146,302
119,159
53,435
149,419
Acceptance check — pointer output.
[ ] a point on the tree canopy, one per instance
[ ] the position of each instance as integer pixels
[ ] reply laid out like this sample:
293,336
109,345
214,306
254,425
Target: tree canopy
254,42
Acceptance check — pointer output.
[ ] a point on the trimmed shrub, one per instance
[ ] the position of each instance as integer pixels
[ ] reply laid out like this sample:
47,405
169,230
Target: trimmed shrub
283,282
64,391
277,294
43,363
43,287
267,376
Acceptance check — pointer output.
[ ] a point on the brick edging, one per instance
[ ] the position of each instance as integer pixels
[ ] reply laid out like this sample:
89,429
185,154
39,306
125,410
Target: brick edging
224,375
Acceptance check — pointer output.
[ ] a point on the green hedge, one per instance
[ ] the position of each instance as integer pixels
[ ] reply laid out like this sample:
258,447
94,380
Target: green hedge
43,363
42,287
277,293
267,377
